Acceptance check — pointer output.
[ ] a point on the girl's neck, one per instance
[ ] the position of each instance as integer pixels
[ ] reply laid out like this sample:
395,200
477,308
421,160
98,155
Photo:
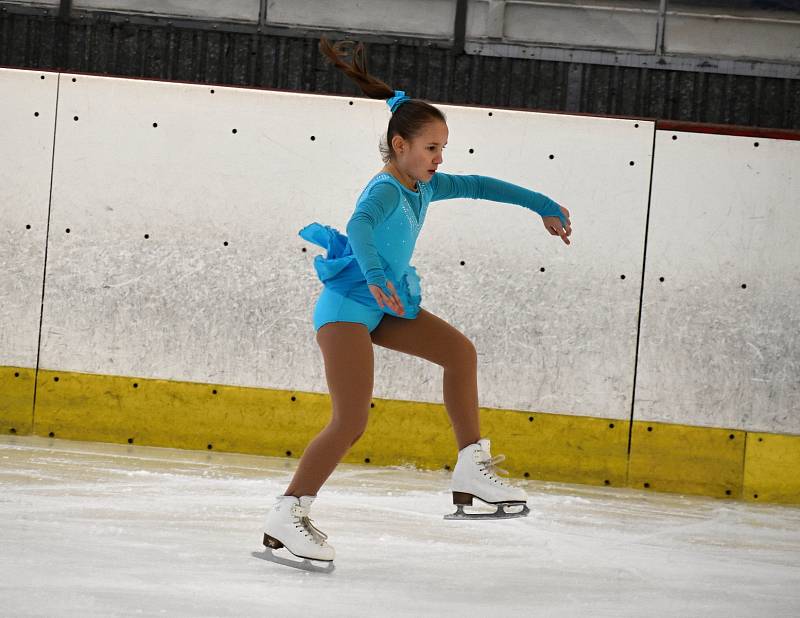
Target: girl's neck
404,179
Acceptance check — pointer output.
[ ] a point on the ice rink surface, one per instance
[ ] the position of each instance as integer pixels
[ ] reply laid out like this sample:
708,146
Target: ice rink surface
89,529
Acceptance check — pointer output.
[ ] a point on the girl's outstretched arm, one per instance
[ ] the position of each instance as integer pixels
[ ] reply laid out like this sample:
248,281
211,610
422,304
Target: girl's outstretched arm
450,186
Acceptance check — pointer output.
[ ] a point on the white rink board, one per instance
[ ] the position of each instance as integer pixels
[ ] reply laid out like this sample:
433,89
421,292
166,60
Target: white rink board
562,340
26,152
180,305
724,213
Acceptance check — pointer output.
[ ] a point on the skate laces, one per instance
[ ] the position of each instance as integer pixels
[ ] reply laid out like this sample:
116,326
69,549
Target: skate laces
301,513
491,467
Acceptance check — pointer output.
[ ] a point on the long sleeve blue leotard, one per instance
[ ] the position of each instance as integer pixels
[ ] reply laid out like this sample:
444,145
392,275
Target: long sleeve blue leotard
383,230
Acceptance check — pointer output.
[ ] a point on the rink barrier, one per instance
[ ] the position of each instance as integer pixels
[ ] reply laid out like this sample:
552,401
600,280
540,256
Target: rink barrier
104,304
17,386
707,461
687,459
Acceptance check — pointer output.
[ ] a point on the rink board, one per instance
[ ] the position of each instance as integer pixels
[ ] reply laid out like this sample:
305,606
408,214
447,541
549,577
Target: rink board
251,167
27,109
173,255
182,260
17,386
555,325
720,335
771,468
690,460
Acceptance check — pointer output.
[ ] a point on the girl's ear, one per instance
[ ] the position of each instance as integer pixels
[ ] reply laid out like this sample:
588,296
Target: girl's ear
398,143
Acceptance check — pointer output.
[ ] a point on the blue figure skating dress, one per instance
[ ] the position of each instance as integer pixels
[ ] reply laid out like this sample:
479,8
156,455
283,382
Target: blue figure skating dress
381,236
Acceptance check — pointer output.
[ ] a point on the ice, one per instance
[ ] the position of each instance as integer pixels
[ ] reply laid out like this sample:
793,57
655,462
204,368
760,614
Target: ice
91,529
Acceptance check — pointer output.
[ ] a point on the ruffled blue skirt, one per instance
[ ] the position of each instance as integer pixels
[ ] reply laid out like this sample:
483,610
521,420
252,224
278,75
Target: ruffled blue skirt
339,272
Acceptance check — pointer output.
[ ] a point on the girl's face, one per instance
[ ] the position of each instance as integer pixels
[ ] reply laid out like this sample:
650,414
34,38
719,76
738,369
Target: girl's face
422,155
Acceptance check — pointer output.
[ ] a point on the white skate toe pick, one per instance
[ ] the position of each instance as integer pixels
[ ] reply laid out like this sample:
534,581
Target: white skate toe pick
474,477
288,526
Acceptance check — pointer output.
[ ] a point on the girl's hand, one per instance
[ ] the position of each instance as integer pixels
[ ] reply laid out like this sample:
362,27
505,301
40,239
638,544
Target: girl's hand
393,301
553,225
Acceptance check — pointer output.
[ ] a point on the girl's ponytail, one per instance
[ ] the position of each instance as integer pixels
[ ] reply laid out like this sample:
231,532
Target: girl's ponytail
407,119
356,69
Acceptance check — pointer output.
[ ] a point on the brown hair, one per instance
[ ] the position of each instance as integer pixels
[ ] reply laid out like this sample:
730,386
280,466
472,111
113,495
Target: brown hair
407,120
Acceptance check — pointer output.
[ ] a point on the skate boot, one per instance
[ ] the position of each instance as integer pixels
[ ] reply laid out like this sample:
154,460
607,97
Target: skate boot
474,477
288,526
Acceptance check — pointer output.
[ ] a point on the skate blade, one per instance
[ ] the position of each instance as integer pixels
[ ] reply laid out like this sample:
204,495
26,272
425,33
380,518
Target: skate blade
500,513
303,564
292,560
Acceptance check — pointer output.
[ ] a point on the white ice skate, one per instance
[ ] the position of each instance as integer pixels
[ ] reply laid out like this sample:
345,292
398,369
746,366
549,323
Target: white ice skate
474,477
288,526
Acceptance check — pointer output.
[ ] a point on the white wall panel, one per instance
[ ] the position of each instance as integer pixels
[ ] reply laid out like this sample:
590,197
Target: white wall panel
27,118
562,340
725,213
181,305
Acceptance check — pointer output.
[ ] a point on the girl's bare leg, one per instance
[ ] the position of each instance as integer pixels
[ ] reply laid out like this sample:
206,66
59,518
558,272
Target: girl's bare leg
433,339
347,352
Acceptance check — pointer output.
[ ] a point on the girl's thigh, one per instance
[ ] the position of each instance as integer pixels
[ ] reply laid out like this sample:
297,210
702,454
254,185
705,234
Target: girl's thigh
426,336
349,367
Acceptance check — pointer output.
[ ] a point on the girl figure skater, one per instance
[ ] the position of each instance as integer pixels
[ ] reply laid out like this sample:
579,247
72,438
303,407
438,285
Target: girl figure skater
371,295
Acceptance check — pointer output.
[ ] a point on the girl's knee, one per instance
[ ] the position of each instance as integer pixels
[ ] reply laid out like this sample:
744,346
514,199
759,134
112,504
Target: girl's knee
463,355
470,352
351,429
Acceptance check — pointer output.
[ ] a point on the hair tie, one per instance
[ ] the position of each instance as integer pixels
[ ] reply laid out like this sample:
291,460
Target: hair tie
397,100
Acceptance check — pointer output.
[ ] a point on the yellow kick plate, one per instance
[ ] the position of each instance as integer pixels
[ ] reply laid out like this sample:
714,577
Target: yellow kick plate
684,459
564,448
16,400
176,414
541,446
772,468
281,423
